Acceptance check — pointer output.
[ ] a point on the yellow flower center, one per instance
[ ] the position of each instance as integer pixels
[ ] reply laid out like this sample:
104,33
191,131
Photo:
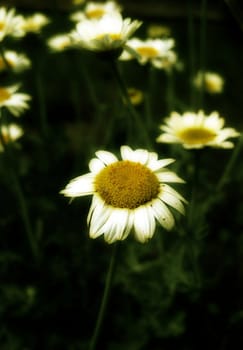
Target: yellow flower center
126,184
95,13
196,135
146,51
113,36
2,25
4,95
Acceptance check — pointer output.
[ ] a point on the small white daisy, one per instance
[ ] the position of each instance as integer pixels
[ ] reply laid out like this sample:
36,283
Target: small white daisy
110,32
94,10
128,194
212,82
10,23
60,42
34,23
16,61
10,133
14,101
159,52
197,130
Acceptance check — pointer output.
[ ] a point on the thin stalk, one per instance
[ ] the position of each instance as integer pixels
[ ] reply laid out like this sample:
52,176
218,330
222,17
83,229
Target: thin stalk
104,301
19,194
137,124
229,167
41,100
192,55
202,49
170,91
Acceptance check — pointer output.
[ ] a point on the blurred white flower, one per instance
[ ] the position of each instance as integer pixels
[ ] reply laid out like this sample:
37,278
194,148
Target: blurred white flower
10,23
17,62
14,101
96,10
197,130
212,82
34,23
10,133
159,52
110,32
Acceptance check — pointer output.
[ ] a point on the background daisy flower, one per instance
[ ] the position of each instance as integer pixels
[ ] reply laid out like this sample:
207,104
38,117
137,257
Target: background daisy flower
156,51
197,130
10,133
60,42
34,23
108,33
94,10
212,82
18,62
10,23
128,194
14,101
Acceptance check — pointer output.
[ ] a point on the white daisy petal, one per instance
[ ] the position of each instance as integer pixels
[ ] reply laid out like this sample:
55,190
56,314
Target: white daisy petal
80,186
96,165
163,214
106,157
169,176
144,224
172,201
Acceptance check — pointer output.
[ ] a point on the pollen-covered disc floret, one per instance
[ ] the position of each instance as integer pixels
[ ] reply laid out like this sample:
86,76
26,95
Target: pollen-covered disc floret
126,184
197,130
129,195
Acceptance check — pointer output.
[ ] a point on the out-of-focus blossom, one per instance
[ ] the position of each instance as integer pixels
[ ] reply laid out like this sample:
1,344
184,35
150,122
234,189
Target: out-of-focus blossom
60,42
9,133
158,52
15,102
17,62
34,23
197,130
212,82
96,10
108,33
10,23
155,31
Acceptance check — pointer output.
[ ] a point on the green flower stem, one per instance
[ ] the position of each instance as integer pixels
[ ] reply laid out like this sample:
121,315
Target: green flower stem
191,50
136,121
10,162
194,218
41,100
104,301
202,50
229,167
170,91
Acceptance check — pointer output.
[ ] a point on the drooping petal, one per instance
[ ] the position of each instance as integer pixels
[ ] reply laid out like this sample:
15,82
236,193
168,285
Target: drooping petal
80,186
163,214
144,224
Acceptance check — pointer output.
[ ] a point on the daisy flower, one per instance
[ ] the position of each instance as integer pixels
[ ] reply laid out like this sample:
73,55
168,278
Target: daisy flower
108,33
157,31
34,23
212,82
16,61
60,42
128,194
197,130
14,101
156,51
94,10
10,133
10,23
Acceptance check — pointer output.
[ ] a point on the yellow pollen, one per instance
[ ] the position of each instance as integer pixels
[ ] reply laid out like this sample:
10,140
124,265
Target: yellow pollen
113,36
95,13
146,51
196,135
2,25
126,184
4,95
